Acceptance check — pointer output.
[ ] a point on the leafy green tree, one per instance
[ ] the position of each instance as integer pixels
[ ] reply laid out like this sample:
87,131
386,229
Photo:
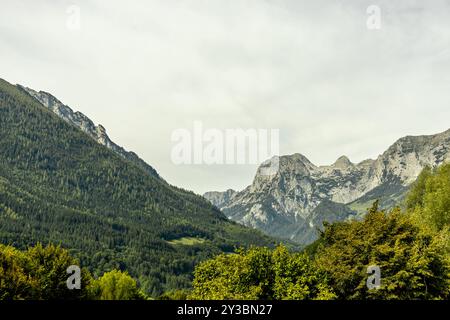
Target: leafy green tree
48,266
259,273
413,262
296,278
115,285
175,295
15,284
429,198
231,277
416,194
39,273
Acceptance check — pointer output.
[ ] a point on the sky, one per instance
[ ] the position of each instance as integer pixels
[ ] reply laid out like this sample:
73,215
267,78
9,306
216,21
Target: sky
331,83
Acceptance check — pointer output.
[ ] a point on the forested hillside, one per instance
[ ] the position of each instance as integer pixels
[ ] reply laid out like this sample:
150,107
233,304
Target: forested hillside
57,185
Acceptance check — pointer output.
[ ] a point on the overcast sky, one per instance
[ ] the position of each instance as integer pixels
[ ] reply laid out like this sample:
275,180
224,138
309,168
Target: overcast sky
312,69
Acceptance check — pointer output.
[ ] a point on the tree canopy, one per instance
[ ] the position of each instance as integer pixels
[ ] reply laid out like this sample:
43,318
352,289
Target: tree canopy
260,273
412,261
40,273
429,197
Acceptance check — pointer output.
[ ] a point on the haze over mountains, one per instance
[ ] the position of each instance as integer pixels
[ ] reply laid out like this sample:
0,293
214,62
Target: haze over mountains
294,202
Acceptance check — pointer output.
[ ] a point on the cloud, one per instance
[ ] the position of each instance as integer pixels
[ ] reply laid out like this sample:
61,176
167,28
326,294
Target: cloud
310,68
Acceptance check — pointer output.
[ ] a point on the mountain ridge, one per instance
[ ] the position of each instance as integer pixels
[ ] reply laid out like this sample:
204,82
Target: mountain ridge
288,200
78,119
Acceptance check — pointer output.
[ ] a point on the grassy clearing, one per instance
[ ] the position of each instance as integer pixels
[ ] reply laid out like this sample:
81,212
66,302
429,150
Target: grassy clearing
187,241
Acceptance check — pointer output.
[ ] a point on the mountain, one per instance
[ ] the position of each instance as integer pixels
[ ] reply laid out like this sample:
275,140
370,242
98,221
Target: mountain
220,198
295,201
98,133
63,181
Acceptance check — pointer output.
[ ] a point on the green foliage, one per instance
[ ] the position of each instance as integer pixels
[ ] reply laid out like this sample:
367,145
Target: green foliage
413,262
57,185
187,241
40,273
260,273
14,281
416,193
296,278
175,295
116,285
429,198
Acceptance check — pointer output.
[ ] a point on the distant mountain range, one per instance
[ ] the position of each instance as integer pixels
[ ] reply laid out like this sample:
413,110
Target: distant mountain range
294,202
63,181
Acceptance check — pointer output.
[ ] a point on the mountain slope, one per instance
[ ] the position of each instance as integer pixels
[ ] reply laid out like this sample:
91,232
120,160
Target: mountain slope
293,202
59,185
98,133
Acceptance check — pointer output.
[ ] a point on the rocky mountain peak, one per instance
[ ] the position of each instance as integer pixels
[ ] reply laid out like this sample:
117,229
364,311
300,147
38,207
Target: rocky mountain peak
343,163
296,164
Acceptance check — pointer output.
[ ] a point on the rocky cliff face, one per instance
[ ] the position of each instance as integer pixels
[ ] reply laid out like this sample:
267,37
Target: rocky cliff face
98,133
220,198
295,201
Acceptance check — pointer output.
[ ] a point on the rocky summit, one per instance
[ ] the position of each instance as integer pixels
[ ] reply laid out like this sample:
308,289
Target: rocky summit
294,202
